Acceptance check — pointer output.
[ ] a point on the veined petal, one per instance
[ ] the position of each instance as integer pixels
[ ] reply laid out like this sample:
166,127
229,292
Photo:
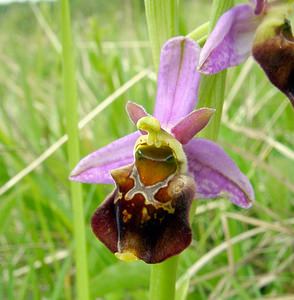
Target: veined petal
216,175
192,124
95,167
177,81
230,42
135,112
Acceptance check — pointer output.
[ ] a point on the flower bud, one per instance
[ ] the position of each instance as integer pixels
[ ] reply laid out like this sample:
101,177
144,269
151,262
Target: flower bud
274,51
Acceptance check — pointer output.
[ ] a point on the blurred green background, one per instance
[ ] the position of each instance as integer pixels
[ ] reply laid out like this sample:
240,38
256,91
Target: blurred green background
111,40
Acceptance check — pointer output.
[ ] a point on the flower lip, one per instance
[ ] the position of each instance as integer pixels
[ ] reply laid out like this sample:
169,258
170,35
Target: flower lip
151,228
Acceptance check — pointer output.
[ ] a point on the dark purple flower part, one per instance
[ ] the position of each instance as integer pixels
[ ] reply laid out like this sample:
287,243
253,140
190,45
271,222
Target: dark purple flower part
161,168
149,222
275,55
253,28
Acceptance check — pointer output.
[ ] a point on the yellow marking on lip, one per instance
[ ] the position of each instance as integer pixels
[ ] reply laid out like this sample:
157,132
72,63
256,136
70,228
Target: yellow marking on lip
126,216
126,256
145,215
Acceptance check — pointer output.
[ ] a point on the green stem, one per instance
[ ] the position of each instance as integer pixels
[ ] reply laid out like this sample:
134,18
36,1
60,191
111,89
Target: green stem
199,32
162,22
71,108
218,8
212,91
212,88
212,94
163,280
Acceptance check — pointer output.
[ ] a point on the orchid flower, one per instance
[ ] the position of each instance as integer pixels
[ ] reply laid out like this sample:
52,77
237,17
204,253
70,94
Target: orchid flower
159,169
260,28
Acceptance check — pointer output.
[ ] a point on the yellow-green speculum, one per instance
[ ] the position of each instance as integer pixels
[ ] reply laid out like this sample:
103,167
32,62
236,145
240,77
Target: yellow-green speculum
160,139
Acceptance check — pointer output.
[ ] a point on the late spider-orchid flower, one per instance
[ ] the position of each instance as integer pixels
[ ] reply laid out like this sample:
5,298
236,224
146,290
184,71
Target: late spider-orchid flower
160,168
260,28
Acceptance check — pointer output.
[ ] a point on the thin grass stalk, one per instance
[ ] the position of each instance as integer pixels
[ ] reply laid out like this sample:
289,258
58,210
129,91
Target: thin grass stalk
71,114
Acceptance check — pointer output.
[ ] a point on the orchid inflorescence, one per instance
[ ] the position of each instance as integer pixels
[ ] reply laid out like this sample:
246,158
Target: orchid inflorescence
159,169
261,28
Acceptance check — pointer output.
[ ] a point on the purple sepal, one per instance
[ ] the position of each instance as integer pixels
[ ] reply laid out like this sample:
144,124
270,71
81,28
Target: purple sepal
178,81
96,167
216,175
230,42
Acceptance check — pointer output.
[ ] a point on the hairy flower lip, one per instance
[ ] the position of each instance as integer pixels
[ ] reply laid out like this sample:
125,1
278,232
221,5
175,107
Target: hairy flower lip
142,229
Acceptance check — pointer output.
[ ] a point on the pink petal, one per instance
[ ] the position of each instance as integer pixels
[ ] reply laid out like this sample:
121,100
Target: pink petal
216,174
230,42
95,167
192,124
135,111
177,81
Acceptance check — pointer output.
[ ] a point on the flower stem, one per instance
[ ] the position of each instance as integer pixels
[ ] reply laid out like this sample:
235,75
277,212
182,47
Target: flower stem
70,99
218,8
199,32
162,21
163,280
212,88
212,91
212,94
